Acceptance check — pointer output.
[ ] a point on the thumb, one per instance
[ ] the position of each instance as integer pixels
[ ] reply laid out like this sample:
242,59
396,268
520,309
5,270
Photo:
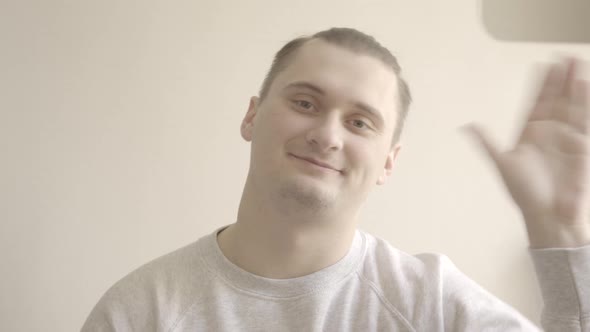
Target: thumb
483,139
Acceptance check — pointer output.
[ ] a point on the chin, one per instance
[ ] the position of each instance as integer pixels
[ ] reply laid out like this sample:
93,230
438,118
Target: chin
306,194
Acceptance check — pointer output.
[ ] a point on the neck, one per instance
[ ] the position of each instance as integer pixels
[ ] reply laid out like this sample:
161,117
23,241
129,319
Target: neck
272,243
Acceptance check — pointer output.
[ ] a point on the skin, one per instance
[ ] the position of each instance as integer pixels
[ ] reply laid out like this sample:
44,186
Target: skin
547,171
297,217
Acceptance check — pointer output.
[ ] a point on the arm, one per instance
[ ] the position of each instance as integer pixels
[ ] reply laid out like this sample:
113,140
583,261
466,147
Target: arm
564,278
547,173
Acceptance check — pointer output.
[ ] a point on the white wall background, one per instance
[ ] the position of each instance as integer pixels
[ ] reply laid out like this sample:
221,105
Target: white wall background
119,137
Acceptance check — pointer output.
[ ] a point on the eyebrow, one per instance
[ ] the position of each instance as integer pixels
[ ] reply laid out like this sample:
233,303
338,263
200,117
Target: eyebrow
360,105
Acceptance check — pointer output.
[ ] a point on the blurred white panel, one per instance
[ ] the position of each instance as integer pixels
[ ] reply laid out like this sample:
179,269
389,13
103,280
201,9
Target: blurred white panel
561,21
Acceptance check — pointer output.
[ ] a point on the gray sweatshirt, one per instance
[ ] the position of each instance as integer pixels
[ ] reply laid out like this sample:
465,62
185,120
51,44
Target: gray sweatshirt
375,287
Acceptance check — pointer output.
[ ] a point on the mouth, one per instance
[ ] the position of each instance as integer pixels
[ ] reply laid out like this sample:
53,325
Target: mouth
317,163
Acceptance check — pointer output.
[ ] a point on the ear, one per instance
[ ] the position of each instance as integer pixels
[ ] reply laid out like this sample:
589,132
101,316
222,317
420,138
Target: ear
388,168
248,121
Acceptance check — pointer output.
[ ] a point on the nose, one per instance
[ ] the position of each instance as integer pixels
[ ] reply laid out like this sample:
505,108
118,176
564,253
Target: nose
326,135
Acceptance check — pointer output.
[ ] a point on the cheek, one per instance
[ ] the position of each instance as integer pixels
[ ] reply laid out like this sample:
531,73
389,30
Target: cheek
287,124
363,159
275,128
269,124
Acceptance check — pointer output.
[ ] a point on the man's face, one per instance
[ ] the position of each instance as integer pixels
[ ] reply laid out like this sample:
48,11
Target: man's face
322,136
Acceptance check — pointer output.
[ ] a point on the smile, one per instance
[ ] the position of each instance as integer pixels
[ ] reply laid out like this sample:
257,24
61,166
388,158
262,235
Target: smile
317,163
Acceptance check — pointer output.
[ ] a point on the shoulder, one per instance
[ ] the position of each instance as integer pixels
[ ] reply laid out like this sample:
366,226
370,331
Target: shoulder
411,286
160,289
383,261
429,286
395,271
172,268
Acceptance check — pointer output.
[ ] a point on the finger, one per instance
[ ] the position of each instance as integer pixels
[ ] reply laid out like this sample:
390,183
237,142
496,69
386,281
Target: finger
580,107
569,81
551,88
553,83
555,101
561,105
486,143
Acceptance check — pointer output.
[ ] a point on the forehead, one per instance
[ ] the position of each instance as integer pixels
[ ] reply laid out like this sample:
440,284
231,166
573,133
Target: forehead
343,74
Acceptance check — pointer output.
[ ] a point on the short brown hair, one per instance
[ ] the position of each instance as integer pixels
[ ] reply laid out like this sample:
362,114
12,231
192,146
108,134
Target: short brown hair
352,40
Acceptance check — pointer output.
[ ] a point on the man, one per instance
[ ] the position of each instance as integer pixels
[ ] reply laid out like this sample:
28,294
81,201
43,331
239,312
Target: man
324,130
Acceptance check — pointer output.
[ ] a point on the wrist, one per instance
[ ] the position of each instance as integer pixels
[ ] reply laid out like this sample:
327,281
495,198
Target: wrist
553,233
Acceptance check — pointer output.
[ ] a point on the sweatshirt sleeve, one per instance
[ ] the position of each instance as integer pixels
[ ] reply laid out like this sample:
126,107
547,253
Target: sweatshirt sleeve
564,279
97,322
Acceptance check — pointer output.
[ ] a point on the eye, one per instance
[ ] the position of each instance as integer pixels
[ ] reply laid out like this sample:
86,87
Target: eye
306,105
359,124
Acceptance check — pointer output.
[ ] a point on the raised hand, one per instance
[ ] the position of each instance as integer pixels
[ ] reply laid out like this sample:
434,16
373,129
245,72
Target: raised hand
547,172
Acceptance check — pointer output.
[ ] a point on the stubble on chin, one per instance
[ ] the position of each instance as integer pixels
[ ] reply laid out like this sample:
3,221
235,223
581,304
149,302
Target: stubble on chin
297,197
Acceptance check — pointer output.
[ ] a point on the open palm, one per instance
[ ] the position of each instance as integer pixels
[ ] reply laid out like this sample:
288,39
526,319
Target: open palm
547,172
